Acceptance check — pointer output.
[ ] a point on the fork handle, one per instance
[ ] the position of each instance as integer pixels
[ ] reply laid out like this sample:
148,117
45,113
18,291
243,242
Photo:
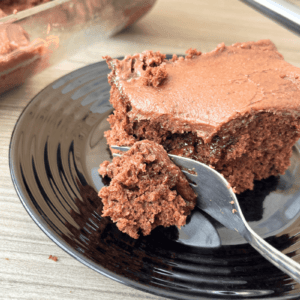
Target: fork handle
277,258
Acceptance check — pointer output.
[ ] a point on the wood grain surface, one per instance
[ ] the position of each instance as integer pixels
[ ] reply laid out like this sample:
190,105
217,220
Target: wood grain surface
172,26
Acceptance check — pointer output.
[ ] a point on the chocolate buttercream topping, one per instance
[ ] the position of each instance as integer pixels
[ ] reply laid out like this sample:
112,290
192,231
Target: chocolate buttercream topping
149,67
12,37
10,6
202,92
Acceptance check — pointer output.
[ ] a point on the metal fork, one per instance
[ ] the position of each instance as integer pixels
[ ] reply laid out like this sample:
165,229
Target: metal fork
215,197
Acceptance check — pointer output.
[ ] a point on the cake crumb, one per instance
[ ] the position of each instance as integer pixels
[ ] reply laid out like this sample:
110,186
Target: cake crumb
15,11
234,190
6,258
146,190
234,211
232,202
192,53
154,76
228,185
174,58
220,48
54,258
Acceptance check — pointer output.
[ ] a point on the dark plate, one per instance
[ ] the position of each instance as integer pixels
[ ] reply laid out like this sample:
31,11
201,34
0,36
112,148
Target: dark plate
56,148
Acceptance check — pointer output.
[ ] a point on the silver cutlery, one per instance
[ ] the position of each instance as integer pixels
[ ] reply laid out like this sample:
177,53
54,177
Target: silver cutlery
215,197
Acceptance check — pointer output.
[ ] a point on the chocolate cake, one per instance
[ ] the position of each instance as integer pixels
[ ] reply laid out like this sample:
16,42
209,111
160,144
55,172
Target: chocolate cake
19,57
146,190
13,6
236,108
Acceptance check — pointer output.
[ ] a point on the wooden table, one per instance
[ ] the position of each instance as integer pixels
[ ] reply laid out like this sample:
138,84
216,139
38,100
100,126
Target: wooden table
172,26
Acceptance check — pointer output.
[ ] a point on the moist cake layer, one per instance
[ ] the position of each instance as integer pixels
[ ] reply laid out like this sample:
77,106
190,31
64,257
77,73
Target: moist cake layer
235,108
147,190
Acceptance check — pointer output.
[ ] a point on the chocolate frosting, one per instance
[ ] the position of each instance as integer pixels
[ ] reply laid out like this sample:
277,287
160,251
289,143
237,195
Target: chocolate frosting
201,92
9,6
12,37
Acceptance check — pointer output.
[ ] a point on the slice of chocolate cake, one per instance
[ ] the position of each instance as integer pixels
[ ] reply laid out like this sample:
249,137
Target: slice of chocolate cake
236,108
147,190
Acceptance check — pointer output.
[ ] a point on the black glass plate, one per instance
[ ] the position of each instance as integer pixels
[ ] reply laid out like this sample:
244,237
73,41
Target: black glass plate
56,148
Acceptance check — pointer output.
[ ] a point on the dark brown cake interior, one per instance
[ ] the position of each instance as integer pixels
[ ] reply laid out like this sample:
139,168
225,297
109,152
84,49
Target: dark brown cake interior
253,142
254,146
